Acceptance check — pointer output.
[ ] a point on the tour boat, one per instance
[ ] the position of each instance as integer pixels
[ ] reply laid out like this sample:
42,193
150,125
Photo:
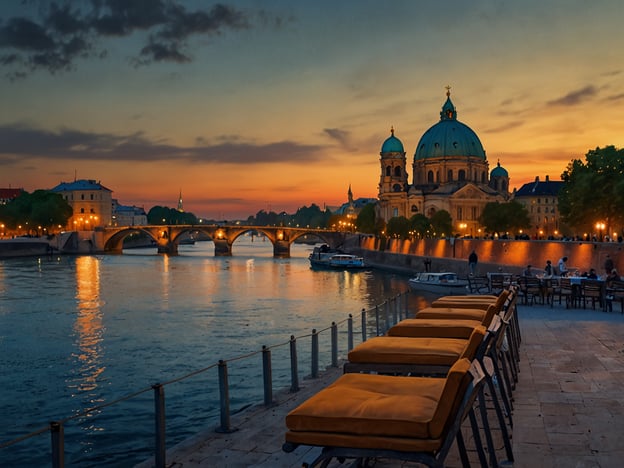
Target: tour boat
444,283
324,257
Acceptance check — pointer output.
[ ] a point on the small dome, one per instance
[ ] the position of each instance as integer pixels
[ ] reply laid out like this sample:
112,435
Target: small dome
449,137
499,171
392,144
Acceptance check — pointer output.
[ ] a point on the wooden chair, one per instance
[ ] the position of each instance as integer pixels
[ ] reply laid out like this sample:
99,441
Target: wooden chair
615,293
594,291
565,292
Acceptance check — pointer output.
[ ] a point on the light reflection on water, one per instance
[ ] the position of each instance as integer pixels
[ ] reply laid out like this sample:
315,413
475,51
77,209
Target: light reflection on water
78,332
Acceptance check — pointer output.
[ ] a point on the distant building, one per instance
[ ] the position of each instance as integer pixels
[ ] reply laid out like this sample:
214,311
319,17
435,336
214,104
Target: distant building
353,207
540,198
449,172
8,194
128,215
91,202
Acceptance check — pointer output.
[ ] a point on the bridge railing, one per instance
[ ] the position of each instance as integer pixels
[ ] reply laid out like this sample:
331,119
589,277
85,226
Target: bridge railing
325,347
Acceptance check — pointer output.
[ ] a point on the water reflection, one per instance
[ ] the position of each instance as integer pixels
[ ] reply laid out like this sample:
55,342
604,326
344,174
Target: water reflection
88,328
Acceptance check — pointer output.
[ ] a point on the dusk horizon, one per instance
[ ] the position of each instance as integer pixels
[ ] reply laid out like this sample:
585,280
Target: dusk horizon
246,107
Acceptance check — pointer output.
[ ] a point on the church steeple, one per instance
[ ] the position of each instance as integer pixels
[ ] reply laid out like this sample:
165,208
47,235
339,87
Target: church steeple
448,109
180,206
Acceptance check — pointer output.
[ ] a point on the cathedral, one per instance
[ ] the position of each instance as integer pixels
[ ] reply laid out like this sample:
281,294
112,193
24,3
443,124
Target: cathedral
450,172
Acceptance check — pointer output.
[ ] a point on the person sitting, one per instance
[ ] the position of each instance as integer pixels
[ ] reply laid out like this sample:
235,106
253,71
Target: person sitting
613,276
548,269
527,271
592,274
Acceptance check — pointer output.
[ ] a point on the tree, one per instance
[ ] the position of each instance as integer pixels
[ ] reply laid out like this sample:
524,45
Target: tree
40,210
442,223
505,217
399,226
165,215
594,191
421,225
366,220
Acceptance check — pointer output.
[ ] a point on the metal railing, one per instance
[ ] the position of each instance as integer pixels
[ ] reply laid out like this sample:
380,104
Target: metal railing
384,316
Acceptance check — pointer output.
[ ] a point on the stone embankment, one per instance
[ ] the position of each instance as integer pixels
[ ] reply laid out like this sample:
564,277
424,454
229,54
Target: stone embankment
506,255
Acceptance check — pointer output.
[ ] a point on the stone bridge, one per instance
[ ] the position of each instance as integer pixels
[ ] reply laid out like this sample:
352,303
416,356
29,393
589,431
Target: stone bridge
168,237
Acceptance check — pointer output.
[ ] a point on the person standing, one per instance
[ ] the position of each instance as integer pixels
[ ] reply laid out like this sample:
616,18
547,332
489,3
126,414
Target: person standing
548,269
608,265
563,267
472,262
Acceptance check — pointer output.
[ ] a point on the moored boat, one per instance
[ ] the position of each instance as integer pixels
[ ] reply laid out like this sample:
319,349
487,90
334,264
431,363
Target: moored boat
324,257
443,283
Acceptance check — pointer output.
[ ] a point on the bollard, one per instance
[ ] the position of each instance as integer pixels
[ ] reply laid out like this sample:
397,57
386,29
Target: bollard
315,354
350,333
294,367
363,325
267,375
334,344
224,398
58,444
159,419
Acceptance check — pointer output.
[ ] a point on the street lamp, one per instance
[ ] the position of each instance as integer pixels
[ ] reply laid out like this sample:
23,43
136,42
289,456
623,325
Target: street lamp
601,227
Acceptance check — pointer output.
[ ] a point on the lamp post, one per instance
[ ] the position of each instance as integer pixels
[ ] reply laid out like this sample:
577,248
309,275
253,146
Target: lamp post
601,227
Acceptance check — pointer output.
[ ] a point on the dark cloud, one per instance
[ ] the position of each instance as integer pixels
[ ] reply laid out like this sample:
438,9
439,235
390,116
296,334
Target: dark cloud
61,34
575,97
504,127
341,136
20,141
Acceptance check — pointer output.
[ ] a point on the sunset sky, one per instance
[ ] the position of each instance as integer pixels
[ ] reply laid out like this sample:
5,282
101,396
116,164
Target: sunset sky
276,104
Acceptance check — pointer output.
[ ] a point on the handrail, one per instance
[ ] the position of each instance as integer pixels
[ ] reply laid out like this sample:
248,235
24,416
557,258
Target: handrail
399,310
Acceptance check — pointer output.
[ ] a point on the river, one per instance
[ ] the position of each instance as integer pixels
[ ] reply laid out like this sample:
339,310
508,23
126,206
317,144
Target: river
77,332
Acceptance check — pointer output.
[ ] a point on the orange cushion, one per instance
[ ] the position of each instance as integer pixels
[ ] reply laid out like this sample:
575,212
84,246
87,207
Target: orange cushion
451,313
417,351
379,406
434,328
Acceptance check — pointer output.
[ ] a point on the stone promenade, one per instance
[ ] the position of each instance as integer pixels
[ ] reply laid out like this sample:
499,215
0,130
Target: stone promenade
568,403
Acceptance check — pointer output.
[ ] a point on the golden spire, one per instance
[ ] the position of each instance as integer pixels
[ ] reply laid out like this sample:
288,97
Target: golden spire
448,90
392,129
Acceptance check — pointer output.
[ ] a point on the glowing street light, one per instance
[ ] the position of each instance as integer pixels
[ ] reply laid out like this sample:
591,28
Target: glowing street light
601,227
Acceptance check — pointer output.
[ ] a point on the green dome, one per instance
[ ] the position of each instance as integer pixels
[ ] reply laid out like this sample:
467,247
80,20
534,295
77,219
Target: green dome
392,144
499,171
449,137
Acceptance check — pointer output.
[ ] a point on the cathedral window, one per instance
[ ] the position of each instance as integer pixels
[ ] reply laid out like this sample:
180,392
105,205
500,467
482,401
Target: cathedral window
397,171
82,196
414,209
438,177
460,213
396,188
449,175
395,212
430,177
474,212
388,171
483,177
462,175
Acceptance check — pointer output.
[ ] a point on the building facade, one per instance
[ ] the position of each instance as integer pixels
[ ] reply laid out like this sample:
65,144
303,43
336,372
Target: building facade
540,198
124,215
450,171
90,201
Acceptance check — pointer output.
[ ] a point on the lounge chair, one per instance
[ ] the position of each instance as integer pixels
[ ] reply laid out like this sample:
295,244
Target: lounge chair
366,416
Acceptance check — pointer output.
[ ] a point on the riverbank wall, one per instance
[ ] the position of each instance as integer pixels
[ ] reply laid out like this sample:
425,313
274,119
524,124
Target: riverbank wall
407,256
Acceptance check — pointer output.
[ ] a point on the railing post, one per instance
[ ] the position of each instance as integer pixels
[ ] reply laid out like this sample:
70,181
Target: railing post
395,310
315,354
363,325
350,333
386,315
294,367
377,319
224,397
58,444
334,344
159,419
267,374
